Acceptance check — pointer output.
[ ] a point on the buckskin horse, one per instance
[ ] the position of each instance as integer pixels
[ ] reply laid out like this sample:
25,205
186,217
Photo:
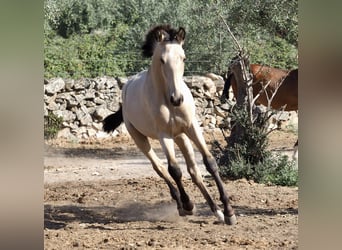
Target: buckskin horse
286,95
157,104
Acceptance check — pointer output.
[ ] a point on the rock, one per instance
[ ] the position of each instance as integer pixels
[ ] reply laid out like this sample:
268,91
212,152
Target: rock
121,81
99,101
220,112
91,132
54,86
89,94
69,84
218,80
65,133
83,117
101,113
86,120
65,114
100,83
194,81
102,134
97,126
209,85
79,85
71,102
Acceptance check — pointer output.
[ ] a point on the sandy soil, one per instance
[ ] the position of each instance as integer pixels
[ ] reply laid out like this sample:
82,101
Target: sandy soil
103,194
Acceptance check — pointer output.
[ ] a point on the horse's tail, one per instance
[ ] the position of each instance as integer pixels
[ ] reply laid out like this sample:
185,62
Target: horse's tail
227,83
111,122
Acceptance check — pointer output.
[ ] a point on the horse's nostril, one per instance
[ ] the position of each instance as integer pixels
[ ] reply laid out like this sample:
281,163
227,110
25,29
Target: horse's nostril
176,101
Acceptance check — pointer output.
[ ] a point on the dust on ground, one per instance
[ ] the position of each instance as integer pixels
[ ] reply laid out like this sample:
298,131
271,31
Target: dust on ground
104,194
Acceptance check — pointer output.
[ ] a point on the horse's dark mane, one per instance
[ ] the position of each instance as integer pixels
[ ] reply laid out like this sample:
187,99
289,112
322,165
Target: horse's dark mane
151,38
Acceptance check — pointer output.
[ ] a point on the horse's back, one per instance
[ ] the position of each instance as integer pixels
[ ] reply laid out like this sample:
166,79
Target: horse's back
262,73
287,93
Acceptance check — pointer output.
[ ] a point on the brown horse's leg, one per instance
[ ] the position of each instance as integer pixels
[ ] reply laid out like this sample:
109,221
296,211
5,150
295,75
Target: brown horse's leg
295,151
143,144
176,174
195,134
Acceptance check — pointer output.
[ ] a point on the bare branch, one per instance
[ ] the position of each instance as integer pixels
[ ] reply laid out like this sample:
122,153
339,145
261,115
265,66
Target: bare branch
261,91
231,33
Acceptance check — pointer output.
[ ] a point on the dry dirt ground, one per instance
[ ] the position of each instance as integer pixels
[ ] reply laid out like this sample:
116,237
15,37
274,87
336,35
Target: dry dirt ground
103,194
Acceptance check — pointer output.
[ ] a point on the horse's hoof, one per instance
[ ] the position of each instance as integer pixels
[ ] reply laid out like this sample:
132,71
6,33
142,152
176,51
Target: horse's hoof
188,207
219,216
230,220
181,212
184,212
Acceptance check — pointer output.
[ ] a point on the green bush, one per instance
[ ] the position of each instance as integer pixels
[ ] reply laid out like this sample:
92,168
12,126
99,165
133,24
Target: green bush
251,144
52,124
275,169
89,55
247,156
272,51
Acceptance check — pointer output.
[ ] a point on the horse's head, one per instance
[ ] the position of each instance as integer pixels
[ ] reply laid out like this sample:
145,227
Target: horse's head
167,59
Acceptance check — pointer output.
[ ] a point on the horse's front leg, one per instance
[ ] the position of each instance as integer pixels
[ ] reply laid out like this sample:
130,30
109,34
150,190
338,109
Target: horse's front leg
196,136
176,174
144,145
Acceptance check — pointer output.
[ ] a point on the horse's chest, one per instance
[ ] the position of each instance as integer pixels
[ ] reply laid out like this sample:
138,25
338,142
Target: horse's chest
174,119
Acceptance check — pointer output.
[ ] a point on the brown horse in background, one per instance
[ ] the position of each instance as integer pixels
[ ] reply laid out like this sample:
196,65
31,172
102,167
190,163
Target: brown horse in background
287,94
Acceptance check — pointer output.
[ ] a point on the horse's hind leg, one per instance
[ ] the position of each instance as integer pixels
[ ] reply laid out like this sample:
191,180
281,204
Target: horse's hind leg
144,145
176,174
196,136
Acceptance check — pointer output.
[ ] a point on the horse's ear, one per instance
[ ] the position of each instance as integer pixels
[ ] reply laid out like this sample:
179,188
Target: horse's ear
162,36
181,35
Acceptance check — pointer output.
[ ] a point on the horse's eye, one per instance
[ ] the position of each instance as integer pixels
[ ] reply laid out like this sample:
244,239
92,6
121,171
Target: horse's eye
184,59
162,60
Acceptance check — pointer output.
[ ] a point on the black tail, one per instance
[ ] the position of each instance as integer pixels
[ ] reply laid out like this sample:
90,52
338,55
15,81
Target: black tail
227,83
111,122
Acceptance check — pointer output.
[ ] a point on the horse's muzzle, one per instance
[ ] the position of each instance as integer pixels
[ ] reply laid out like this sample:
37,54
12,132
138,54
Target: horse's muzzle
176,101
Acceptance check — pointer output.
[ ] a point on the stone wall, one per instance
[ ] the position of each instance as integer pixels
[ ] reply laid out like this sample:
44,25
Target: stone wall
83,104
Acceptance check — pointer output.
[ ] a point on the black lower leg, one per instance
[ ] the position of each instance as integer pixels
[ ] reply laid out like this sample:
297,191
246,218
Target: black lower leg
176,174
175,194
211,167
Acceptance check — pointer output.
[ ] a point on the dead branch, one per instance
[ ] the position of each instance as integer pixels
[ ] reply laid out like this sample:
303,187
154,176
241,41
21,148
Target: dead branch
260,92
231,33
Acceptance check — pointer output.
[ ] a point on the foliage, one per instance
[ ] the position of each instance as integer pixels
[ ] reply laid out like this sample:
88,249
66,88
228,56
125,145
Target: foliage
275,17
89,55
249,146
52,124
275,169
268,29
246,155
67,17
272,51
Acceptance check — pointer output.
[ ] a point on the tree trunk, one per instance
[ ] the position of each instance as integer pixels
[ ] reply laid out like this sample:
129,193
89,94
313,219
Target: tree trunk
244,80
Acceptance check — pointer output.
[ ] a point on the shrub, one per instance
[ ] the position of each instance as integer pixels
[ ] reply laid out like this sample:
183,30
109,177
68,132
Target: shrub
246,155
275,169
52,124
88,55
